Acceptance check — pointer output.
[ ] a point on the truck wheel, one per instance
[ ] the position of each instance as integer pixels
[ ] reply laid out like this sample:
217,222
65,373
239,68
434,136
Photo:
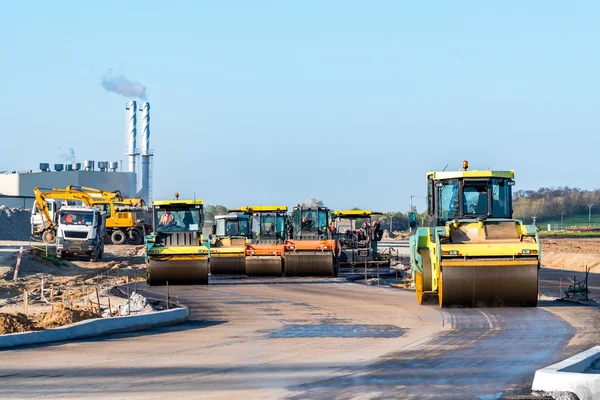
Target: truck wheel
49,236
118,237
135,237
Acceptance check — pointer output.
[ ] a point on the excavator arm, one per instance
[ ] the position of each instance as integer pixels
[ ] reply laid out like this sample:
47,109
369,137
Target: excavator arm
41,203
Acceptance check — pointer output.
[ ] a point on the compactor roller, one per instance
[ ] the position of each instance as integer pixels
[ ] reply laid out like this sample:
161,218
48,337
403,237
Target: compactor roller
176,251
311,248
227,249
474,253
264,252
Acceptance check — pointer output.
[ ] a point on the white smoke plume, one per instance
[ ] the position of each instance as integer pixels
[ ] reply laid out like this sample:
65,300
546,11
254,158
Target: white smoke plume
123,86
67,155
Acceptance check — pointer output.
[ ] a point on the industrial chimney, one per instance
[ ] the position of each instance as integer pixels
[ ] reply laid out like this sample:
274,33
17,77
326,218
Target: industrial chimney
144,192
131,132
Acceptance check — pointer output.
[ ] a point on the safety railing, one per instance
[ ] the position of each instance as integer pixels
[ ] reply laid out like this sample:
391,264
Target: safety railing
38,245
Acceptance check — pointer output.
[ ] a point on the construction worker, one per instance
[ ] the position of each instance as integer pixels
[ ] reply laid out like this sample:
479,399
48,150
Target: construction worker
307,221
68,219
167,219
332,230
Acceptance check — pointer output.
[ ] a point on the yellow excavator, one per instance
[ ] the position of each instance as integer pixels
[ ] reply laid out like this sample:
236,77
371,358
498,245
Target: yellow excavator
176,251
474,253
47,224
124,224
227,249
128,219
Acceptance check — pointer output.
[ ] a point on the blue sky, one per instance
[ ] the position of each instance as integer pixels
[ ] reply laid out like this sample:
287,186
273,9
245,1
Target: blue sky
277,102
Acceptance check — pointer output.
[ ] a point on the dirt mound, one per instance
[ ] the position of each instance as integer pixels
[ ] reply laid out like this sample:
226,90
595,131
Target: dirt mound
15,223
64,316
15,323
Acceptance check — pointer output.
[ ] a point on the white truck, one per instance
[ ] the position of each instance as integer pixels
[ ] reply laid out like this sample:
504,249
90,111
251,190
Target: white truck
80,231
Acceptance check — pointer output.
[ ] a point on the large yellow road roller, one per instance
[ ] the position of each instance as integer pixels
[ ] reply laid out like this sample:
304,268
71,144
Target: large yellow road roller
228,245
474,253
176,251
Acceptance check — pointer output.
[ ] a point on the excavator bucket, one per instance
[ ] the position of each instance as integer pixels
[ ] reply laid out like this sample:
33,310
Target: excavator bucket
264,266
177,271
309,264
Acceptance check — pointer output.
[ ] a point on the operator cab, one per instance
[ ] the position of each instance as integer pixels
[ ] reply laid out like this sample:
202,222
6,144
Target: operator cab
310,223
232,225
268,227
357,228
178,217
480,195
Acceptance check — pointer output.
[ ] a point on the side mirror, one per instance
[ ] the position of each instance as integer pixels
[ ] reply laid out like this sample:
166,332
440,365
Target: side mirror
214,229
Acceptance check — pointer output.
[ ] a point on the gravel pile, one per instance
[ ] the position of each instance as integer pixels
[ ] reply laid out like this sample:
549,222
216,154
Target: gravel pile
15,223
136,304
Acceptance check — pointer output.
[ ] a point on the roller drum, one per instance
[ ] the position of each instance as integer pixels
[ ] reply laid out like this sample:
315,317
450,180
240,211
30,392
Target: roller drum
177,272
309,264
489,286
232,265
264,266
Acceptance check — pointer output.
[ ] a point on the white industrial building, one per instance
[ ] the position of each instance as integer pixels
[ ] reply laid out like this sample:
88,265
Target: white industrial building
16,188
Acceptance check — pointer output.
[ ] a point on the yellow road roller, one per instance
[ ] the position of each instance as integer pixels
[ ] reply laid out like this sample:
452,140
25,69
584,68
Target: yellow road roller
176,252
228,244
474,253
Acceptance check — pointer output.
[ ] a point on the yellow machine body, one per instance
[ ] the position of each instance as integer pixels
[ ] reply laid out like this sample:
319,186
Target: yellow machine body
472,258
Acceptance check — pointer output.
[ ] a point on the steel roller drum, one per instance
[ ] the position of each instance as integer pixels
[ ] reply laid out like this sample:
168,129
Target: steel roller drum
309,264
489,286
178,272
264,266
233,265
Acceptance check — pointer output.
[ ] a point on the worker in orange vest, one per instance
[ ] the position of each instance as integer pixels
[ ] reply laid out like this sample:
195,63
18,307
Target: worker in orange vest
166,219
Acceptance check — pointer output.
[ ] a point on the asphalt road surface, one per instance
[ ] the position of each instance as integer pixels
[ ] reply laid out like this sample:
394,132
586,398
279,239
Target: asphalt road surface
309,338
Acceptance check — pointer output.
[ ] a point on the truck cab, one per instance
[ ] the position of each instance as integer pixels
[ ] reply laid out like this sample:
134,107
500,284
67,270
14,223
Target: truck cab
80,232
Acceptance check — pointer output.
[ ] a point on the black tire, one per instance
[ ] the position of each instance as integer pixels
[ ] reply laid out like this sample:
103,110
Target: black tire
49,236
118,237
135,237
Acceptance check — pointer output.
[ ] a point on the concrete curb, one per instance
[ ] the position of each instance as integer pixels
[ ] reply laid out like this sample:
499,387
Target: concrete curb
96,327
569,376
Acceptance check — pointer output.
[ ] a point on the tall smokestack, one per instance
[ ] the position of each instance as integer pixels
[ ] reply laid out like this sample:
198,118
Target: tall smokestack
145,178
131,131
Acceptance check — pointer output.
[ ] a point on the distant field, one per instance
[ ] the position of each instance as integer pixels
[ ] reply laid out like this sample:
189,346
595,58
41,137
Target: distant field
570,220
567,234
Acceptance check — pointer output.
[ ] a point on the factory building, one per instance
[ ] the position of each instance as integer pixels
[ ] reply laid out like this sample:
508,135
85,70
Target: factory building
16,188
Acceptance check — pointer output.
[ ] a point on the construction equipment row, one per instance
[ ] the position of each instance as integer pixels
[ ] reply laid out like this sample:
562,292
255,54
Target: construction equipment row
257,241
471,253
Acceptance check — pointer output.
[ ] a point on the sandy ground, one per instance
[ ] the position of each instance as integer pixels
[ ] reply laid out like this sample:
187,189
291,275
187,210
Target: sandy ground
66,281
571,254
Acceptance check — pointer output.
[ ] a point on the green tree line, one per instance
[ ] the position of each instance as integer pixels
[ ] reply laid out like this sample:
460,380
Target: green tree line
548,203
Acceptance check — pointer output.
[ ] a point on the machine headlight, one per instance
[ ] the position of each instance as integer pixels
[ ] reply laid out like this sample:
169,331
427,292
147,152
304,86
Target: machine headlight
453,252
526,251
